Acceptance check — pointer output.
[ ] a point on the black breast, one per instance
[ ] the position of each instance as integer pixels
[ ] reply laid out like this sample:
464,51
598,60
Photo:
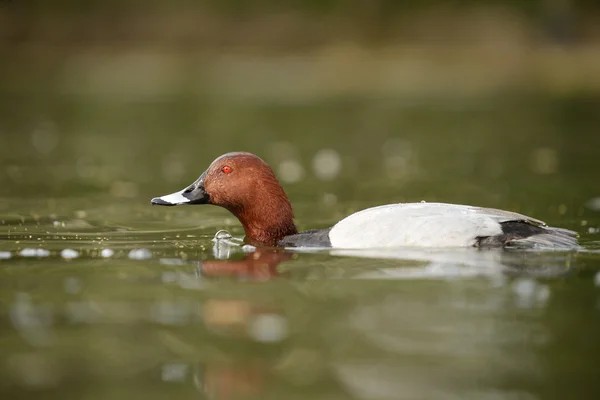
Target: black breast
311,238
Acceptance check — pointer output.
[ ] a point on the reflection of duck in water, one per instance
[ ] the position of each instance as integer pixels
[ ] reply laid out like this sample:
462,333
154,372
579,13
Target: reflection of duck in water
241,320
245,185
259,265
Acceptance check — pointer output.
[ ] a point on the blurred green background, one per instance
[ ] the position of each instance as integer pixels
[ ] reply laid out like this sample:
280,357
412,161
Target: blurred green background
132,97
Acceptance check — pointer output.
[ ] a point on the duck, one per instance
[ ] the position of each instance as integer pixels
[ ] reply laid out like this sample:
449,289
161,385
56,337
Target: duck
246,186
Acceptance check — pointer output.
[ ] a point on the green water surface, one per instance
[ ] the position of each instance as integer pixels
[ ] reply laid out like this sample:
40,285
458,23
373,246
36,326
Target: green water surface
105,296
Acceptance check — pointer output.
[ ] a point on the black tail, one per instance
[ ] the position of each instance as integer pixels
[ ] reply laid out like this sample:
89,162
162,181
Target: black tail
524,235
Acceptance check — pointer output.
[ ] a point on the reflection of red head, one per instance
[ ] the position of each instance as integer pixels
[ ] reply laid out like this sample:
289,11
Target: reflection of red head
260,265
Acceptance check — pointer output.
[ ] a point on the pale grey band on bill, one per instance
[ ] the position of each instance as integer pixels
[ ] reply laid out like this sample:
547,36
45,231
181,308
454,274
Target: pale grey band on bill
173,198
193,194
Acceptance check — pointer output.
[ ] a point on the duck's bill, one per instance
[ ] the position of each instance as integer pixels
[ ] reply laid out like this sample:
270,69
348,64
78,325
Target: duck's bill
173,199
193,194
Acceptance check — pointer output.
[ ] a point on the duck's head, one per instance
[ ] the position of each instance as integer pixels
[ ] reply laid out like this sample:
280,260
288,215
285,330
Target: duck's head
246,186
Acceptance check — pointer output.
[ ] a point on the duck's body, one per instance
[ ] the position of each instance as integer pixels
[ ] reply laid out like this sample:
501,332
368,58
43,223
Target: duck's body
256,198
434,225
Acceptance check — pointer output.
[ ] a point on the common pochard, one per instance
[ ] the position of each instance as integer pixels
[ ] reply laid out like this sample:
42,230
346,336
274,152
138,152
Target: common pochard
246,186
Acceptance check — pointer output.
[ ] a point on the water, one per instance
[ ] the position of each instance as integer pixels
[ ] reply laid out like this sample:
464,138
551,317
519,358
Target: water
104,296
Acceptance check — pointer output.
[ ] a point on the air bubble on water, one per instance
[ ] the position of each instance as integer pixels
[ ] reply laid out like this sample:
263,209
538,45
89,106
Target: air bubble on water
222,235
248,248
222,250
140,254
268,328
107,253
69,254
5,255
327,164
29,252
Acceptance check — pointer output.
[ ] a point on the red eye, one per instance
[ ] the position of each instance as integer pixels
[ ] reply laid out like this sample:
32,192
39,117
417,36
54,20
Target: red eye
226,169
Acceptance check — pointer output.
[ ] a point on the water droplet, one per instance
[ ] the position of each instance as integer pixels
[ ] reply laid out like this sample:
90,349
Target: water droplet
140,254
69,254
34,252
106,253
247,248
222,235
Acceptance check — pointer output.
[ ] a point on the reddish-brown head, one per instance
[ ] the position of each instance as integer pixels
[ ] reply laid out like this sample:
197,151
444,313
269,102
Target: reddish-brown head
245,185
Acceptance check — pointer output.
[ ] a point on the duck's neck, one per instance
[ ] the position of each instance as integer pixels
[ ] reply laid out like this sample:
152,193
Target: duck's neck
268,219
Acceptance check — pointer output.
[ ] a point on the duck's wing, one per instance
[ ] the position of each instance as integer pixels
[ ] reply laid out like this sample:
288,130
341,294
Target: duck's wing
504,216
